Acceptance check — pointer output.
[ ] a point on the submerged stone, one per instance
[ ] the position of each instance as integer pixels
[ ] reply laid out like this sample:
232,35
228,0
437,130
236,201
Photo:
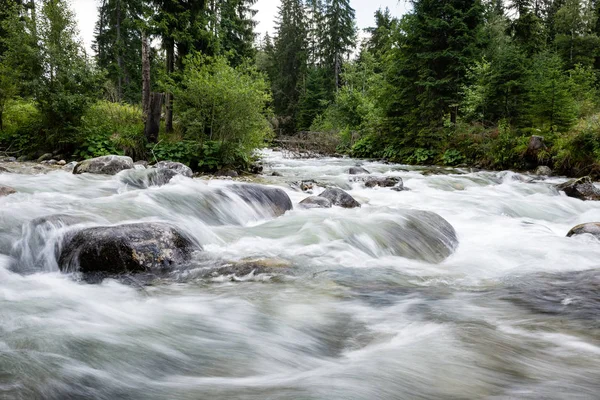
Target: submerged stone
340,198
315,202
592,228
357,171
274,199
6,190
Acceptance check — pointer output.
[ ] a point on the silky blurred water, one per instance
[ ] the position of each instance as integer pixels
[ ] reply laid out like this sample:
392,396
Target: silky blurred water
341,313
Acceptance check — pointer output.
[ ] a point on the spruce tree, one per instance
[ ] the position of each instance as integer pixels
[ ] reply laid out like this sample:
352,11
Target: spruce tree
435,45
289,63
339,37
118,43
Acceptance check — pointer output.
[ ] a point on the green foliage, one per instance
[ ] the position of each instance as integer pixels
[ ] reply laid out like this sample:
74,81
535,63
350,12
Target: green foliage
69,83
110,128
218,103
22,123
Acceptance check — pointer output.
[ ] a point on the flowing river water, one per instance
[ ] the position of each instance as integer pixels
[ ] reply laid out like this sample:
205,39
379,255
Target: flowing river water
512,313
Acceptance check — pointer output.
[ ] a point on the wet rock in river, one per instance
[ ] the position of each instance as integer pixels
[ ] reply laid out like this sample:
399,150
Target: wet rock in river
543,170
315,202
140,164
105,165
226,172
140,247
175,166
340,198
357,171
144,178
6,190
582,188
274,199
45,157
383,181
70,166
592,228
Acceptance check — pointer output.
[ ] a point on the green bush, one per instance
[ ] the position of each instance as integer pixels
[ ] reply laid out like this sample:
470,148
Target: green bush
222,108
111,128
22,123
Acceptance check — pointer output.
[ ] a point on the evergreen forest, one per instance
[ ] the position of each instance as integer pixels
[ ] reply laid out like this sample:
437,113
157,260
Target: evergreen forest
458,82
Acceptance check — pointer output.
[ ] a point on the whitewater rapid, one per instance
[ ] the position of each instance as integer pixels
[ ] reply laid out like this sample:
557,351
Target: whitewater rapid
513,313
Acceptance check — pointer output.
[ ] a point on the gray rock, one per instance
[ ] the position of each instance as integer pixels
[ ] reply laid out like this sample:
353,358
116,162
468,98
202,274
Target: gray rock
582,188
383,181
61,163
275,173
23,159
8,159
144,178
340,198
226,172
178,167
44,157
6,190
106,165
70,166
357,171
272,198
536,143
315,202
592,228
141,247
141,164
543,170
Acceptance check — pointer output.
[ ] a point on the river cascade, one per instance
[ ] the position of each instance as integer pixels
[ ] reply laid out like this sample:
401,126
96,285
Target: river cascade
329,278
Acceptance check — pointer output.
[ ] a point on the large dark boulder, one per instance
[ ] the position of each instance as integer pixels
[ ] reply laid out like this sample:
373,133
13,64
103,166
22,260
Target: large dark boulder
140,247
357,171
274,199
178,167
582,188
340,198
315,202
592,228
107,165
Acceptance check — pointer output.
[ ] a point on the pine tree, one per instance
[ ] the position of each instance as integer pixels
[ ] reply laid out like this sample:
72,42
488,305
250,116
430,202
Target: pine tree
576,40
236,30
339,37
427,66
380,39
118,46
527,28
289,62
551,106
68,82
315,20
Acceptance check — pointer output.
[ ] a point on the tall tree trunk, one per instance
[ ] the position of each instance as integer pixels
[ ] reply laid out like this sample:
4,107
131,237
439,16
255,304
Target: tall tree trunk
119,54
145,76
170,50
153,121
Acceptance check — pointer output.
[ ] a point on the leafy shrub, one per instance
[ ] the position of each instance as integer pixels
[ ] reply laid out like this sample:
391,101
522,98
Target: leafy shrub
111,128
22,122
222,105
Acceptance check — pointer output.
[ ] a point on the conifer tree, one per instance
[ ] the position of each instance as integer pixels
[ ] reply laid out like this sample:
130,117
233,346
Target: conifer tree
289,62
339,37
